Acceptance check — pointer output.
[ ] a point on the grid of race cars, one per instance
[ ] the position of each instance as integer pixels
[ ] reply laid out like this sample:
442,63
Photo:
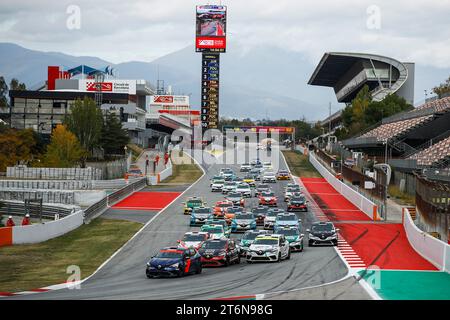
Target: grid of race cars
249,207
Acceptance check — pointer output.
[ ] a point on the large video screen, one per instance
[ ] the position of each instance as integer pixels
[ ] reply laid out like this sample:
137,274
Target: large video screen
211,22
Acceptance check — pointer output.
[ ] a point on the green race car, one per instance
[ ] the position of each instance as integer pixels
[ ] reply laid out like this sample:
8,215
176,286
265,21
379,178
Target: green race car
215,231
221,222
192,203
248,238
293,236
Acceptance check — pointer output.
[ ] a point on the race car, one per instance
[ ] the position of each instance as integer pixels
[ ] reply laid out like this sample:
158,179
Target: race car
134,172
262,187
248,238
244,189
297,203
283,175
268,199
243,221
245,167
191,203
260,213
174,261
229,186
220,252
269,220
290,191
199,215
250,180
322,233
267,166
230,213
219,209
217,185
269,248
293,236
193,239
221,222
227,174
286,219
217,177
236,198
215,231
268,176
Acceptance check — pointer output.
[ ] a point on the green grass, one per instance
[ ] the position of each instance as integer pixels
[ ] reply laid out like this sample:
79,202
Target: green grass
299,165
184,170
25,267
400,197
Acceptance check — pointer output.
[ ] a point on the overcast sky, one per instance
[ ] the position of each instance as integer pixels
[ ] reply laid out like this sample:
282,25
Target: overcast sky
118,30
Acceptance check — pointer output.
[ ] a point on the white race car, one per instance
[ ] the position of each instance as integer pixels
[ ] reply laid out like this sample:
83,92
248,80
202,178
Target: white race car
269,248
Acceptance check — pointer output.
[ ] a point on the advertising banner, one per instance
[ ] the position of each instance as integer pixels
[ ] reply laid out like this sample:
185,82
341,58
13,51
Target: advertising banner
112,86
211,21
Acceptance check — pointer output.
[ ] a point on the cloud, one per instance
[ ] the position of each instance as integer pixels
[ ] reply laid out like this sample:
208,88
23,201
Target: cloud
120,31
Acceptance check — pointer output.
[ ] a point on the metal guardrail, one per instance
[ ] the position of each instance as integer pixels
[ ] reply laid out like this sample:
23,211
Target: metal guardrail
97,208
410,115
48,212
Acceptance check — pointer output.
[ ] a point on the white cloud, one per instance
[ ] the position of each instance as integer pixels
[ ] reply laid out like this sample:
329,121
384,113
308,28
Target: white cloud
119,31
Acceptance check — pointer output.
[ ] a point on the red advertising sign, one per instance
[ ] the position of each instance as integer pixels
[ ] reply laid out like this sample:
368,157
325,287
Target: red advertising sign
163,99
106,86
211,43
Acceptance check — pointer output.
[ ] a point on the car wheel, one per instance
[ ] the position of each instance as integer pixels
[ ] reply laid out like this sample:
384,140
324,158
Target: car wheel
301,247
249,262
181,272
279,257
238,260
289,255
199,269
227,262
310,244
335,243
149,276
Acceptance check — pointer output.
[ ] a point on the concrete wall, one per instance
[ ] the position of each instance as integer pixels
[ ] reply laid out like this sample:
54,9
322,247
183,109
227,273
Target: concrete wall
432,249
40,232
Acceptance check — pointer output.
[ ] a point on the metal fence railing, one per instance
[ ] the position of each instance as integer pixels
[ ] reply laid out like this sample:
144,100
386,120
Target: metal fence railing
99,207
18,208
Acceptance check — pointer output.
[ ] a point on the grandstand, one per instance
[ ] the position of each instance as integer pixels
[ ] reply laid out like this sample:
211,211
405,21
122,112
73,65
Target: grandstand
434,154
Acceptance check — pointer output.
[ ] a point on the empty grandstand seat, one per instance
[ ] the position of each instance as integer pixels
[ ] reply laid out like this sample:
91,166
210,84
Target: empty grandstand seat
433,154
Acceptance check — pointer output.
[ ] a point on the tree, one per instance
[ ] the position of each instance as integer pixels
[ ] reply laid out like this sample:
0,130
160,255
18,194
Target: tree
16,146
113,136
16,85
443,88
390,105
85,121
64,150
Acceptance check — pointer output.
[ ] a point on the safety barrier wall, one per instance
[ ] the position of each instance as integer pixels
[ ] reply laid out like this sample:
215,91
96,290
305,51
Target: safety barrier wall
36,233
153,180
42,232
432,249
361,202
22,172
64,184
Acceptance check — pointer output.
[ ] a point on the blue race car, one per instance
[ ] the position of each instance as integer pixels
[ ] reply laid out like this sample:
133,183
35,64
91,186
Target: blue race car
200,215
243,222
174,261
286,220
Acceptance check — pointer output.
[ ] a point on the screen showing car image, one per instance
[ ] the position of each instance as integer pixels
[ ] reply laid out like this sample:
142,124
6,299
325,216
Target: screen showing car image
211,23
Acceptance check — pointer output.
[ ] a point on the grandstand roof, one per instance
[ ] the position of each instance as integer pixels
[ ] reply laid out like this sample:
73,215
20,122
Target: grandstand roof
340,71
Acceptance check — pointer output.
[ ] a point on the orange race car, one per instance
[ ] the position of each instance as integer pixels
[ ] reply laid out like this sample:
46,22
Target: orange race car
231,212
220,207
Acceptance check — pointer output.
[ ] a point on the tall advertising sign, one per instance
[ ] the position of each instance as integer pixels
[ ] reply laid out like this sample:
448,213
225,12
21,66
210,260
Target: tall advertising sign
211,22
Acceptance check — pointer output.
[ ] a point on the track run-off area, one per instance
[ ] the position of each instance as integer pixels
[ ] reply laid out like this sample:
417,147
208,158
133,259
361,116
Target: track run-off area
338,272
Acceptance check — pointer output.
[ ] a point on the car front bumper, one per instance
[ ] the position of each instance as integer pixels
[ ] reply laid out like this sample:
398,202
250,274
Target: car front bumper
264,257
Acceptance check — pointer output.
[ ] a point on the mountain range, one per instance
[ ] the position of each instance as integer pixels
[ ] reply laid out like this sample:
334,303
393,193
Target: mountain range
262,82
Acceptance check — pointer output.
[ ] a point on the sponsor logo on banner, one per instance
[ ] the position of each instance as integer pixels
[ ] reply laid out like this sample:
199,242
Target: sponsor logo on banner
115,86
163,99
211,43
105,86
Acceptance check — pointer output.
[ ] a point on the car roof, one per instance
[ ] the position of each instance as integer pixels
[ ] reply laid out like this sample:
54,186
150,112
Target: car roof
269,236
196,232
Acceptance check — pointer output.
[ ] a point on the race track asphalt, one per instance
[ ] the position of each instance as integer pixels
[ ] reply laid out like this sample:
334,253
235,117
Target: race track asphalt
123,277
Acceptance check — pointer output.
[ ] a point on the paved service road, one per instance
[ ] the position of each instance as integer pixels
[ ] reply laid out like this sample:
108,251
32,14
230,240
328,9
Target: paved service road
123,277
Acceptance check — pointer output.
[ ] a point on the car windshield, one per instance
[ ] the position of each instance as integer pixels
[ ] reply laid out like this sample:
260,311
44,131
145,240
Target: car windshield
272,213
268,194
322,227
263,186
234,209
230,184
219,181
266,241
250,236
242,187
216,230
289,232
202,210
269,173
194,237
234,195
224,205
287,218
194,201
170,254
259,210
219,244
245,216
298,199
296,188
